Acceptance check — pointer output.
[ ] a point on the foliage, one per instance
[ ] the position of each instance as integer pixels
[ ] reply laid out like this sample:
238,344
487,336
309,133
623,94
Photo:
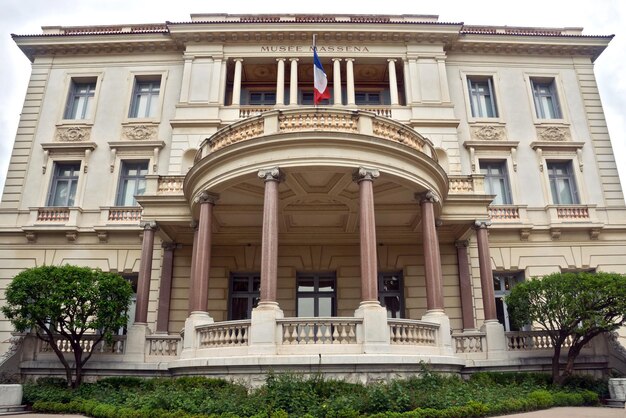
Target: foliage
291,395
576,306
68,303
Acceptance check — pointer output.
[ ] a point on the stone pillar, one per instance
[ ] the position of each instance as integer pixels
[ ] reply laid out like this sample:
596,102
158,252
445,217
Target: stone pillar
496,340
237,82
264,336
350,81
280,82
432,257
165,287
465,286
337,81
293,82
145,273
393,82
443,80
194,251
184,91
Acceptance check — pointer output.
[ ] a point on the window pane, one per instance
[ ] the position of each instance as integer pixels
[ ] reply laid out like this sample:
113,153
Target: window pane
145,99
306,307
239,308
306,285
240,284
496,181
325,306
392,303
391,283
80,100
132,182
327,285
63,185
562,183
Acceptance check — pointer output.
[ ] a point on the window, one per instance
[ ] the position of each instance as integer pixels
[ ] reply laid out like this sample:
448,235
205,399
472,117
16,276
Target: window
145,102
368,98
80,99
503,283
262,98
132,182
496,181
316,295
482,98
390,293
308,98
562,183
244,295
64,182
546,99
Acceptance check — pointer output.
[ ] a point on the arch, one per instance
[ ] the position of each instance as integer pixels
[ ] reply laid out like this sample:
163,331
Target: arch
187,160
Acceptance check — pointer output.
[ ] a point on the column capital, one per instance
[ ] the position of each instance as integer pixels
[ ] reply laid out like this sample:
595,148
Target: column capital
391,60
336,59
428,196
349,59
281,59
482,223
171,246
238,59
365,173
206,197
270,174
461,243
148,225
294,59
194,224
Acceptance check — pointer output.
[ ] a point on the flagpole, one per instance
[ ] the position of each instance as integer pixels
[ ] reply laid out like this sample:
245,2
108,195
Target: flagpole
314,103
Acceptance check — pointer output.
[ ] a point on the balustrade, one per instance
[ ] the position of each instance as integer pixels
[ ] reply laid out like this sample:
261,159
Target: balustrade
532,340
572,212
319,330
169,185
53,214
125,214
411,332
86,344
163,345
222,334
469,342
503,213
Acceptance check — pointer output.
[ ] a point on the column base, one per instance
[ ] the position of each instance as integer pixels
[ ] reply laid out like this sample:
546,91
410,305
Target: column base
445,335
495,338
265,336
190,345
136,342
374,333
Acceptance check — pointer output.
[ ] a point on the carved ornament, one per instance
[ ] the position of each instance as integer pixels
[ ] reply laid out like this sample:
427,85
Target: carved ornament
489,133
269,174
553,133
73,134
363,173
139,132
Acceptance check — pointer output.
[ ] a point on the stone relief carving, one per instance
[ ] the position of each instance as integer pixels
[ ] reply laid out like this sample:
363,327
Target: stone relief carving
73,134
553,133
139,132
489,133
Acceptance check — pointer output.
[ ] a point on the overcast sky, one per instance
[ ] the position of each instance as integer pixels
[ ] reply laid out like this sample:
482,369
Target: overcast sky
598,17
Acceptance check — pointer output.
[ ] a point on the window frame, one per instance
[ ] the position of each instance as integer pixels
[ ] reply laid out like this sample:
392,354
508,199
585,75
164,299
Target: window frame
150,109
391,293
493,76
139,76
72,79
479,113
124,163
367,92
517,277
262,92
502,162
553,77
250,294
540,106
316,294
55,178
571,175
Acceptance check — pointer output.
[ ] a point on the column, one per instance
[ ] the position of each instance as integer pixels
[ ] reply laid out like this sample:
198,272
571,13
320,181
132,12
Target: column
280,82
194,250
393,82
486,274
199,291
465,286
165,287
367,229
237,82
293,82
443,80
337,81
145,273
350,81
184,91
269,245
432,257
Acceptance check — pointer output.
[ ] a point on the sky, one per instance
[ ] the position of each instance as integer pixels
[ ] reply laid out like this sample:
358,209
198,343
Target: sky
597,17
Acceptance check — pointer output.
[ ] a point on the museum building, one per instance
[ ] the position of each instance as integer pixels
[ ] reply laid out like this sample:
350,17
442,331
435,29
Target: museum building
360,236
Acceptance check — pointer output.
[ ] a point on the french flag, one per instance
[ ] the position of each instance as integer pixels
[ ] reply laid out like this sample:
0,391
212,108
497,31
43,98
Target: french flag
320,81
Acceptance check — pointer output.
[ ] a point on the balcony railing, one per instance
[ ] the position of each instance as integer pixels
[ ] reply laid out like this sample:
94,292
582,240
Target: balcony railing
504,213
572,212
124,214
163,345
412,332
319,330
86,343
53,214
466,184
532,340
170,185
223,334
466,343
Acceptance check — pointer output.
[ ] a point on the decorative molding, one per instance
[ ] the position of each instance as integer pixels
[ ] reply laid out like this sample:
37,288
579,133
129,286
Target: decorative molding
142,132
555,234
594,233
30,236
71,236
553,133
482,223
524,233
488,133
206,197
269,174
428,196
103,236
365,173
73,133
146,225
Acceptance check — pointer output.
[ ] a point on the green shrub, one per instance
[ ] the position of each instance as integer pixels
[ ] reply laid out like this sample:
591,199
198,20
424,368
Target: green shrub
542,399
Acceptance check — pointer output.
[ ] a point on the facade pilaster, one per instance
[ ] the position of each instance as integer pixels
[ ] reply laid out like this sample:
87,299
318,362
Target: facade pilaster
350,81
393,82
293,82
184,90
280,82
237,82
145,272
337,81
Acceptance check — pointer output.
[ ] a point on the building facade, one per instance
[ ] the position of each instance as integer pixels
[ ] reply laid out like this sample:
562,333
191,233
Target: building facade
362,236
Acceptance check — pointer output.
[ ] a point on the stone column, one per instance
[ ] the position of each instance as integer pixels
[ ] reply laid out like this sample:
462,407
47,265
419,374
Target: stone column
192,273
237,82
200,286
165,287
465,286
393,82
293,82
495,338
350,81
280,82
264,337
367,229
337,81
432,257
184,91
443,80
145,273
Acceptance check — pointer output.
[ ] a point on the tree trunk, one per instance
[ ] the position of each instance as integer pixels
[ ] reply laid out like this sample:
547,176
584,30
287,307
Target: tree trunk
556,362
78,366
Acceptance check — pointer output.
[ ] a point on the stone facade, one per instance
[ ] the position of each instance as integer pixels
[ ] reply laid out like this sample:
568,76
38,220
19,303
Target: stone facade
361,236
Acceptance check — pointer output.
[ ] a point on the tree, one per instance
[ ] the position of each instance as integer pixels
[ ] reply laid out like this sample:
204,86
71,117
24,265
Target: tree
576,306
68,303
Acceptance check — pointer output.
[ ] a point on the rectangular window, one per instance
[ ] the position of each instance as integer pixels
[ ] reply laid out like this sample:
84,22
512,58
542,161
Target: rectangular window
502,284
308,97
546,99
562,183
262,98
316,294
368,98
64,182
132,182
390,286
496,181
80,99
482,97
145,102
244,295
